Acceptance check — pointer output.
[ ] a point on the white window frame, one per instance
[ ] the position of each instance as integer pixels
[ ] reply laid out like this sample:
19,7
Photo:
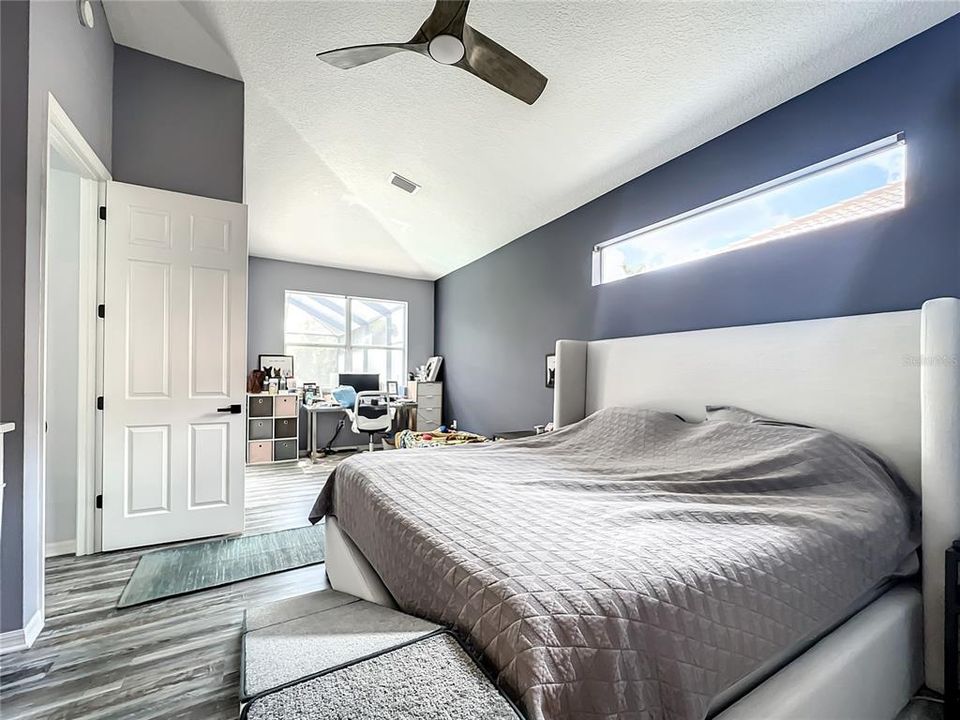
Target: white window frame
782,181
348,346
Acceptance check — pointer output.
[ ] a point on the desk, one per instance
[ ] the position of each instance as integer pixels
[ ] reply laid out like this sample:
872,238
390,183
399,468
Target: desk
401,418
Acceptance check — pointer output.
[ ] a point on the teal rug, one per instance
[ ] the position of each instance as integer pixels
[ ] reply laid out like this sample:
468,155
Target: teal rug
200,566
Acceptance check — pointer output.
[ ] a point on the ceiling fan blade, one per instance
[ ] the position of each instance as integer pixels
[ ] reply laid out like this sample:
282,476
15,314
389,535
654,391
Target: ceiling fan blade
501,68
448,18
351,57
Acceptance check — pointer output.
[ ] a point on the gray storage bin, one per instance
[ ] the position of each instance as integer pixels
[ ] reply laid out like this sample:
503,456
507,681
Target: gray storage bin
285,427
285,450
260,429
260,406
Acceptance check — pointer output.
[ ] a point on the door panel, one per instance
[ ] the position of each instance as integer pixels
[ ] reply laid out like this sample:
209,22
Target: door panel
208,233
209,464
148,330
149,227
174,352
209,333
147,478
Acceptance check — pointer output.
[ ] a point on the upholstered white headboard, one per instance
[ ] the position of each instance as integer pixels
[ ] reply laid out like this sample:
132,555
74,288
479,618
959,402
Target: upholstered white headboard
889,380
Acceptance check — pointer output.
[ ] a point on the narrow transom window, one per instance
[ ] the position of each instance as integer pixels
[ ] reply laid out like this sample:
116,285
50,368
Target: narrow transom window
863,182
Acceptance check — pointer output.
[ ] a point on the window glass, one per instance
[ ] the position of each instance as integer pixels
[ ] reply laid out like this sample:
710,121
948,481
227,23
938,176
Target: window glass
332,334
856,185
313,319
321,365
378,322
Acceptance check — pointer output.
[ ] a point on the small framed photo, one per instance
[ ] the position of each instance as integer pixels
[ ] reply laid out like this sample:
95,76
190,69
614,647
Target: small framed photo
551,367
393,387
277,365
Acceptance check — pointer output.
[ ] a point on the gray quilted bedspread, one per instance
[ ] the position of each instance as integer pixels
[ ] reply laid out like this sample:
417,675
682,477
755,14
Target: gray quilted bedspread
632,565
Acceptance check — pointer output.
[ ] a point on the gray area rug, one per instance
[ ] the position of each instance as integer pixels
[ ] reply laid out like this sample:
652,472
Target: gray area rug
430,679
305,636
199,566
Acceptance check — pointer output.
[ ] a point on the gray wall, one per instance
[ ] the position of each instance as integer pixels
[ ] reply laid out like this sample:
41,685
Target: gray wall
76,65
176,127
499,316
14,48
268,281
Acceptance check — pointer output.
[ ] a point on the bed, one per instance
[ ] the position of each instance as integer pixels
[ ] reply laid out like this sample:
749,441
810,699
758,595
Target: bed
845,644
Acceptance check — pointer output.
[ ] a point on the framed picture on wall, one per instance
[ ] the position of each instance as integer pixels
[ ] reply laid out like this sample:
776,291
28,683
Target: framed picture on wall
433,368
551,367
282,364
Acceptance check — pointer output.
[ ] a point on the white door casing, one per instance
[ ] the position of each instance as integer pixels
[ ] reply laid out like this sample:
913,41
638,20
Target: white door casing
174,354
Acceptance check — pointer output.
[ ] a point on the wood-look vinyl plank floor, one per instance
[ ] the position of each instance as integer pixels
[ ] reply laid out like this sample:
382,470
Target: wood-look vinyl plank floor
176,658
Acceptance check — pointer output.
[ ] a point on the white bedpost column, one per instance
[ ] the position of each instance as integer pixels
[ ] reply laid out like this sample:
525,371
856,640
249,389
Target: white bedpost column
940,465
570,383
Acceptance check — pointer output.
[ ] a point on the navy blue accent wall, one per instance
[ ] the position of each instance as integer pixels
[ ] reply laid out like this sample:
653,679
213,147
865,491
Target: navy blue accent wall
497,317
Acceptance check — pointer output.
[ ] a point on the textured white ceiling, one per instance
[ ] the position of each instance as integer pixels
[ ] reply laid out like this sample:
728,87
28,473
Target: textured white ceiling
631,85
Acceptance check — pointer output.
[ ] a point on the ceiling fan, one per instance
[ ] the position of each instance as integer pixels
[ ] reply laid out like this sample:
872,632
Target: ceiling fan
446,38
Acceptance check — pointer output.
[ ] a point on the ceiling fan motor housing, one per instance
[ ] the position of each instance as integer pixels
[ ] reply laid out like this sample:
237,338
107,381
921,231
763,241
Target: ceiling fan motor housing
446,49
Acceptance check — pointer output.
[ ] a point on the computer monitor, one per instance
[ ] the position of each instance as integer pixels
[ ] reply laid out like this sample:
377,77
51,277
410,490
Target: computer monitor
361,382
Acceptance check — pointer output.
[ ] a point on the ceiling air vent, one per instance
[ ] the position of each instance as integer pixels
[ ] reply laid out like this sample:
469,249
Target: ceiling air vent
408,186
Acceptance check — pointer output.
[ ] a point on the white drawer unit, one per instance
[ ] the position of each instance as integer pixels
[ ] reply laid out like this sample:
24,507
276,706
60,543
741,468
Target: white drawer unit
429,397
273,428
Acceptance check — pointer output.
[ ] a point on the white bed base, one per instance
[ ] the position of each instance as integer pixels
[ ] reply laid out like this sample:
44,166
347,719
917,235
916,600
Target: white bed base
866,669
888,380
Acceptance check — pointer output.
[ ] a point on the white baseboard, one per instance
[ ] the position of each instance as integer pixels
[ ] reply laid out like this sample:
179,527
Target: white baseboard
32,631
22,638
64,547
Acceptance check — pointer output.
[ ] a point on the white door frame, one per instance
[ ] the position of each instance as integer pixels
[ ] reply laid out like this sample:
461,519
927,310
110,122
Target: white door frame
64,137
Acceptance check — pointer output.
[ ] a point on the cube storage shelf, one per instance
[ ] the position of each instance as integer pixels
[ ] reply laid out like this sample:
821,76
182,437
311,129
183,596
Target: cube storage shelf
273,428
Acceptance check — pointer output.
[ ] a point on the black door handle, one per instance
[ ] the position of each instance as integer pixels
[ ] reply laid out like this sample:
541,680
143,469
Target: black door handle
232,409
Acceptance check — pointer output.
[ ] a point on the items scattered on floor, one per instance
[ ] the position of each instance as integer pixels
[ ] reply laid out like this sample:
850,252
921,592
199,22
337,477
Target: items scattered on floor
435,438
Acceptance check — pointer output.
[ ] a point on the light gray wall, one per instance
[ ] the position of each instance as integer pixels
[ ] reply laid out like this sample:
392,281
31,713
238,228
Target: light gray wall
176,127
270,279
63,339
76,65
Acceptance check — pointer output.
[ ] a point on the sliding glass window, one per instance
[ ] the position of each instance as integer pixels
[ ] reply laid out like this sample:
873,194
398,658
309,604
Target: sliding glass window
331,334
863,182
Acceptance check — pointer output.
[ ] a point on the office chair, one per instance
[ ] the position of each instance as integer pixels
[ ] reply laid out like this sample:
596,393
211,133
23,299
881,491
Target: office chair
371,419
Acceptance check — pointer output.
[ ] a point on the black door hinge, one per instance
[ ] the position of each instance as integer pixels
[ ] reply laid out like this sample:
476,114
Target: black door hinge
101,311
100,402
103,212
99,502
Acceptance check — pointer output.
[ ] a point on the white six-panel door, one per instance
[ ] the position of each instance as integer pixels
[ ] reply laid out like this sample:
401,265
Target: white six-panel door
174,354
